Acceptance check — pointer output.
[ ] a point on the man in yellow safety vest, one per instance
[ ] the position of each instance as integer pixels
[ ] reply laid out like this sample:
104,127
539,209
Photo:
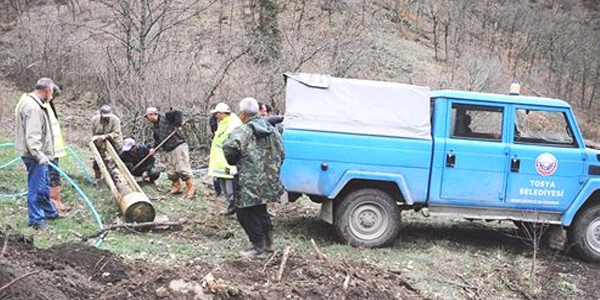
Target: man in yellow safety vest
218,166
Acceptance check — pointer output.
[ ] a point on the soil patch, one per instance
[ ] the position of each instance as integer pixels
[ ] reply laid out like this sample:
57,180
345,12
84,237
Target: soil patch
80,271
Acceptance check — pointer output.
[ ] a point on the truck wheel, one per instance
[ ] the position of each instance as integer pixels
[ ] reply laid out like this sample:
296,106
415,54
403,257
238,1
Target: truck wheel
584,234
368,218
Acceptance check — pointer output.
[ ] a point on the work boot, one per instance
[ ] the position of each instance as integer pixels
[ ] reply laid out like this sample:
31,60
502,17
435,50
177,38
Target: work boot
258,251
191,189
55,197
39,226
97,176
176,187
269,241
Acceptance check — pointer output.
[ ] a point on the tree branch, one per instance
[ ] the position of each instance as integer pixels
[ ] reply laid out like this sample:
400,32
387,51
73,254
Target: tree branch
6,286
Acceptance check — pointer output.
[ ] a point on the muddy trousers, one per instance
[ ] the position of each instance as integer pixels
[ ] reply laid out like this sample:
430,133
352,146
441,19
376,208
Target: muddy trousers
227,187
39,205
256,222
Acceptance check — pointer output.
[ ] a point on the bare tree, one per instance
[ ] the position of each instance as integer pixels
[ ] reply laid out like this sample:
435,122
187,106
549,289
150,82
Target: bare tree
532,233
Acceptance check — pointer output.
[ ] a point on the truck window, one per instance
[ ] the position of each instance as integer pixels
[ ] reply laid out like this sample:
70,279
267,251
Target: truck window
543,128
482,122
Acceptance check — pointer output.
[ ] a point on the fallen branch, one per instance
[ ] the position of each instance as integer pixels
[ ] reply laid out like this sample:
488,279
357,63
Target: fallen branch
6,235
318,252
515,289
346,281
128,226
286,253
17,279
268,261
466,286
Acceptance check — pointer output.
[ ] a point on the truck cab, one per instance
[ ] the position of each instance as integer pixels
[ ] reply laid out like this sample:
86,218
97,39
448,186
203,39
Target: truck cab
373,149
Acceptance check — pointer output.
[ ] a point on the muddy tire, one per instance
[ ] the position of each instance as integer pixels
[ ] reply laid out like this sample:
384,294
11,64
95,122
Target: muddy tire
368,218
584,234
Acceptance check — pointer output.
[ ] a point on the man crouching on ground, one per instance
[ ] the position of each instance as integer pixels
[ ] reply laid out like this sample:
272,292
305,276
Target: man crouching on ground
256,149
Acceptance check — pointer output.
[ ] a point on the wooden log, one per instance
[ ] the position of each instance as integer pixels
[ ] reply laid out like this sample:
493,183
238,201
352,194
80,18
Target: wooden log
286,253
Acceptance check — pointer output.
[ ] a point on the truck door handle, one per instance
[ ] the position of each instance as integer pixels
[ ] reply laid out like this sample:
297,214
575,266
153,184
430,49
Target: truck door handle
515,165
450,160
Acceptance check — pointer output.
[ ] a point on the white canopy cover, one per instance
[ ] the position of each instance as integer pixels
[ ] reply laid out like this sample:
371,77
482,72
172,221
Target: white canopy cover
324,103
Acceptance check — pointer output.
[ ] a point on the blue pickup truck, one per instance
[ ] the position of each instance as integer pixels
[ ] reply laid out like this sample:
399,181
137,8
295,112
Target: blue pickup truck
367,150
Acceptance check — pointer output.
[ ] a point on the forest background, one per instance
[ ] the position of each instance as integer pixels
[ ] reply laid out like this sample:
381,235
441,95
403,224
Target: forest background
189,54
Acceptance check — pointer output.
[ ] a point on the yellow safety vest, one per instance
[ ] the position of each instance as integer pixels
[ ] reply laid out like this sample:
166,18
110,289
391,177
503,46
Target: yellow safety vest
217,163
60,146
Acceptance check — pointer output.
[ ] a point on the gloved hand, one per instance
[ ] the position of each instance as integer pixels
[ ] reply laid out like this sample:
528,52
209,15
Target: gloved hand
232,170
43,159
98,138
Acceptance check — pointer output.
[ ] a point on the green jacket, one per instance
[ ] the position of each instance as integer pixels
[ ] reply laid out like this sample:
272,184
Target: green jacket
256,148
33,132
217,163
112,128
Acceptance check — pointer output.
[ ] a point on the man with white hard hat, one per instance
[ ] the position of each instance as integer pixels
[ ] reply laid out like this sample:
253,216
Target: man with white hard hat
217,165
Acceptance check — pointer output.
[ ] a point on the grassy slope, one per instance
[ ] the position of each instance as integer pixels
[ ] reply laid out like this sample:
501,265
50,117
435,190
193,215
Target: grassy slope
445,259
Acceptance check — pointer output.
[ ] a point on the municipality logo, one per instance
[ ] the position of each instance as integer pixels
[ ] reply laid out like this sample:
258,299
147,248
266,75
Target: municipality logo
546,164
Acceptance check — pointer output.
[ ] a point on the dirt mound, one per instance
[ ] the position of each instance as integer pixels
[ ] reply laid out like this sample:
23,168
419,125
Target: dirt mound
80,271
68,271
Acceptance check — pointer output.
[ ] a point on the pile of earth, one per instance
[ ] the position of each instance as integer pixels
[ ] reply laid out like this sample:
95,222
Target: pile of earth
80,271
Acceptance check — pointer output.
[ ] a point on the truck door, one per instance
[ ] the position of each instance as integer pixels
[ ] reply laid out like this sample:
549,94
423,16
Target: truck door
546,162
475,156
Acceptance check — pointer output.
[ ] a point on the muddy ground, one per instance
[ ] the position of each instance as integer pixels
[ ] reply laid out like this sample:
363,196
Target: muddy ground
80,271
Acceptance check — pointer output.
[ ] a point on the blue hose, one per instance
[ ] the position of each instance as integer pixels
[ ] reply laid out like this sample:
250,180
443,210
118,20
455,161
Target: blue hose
73,184
81,164
14,160
86,200
86,174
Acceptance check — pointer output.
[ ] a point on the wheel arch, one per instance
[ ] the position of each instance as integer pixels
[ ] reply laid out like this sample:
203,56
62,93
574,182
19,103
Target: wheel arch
588,196
392,183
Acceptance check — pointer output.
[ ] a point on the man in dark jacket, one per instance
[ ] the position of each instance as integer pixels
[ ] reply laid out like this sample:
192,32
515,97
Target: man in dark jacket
176,151
132,154
256,149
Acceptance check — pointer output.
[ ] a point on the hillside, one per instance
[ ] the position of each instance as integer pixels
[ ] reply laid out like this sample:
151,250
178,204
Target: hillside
189,54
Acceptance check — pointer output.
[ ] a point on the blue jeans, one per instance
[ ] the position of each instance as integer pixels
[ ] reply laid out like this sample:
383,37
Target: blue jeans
39,205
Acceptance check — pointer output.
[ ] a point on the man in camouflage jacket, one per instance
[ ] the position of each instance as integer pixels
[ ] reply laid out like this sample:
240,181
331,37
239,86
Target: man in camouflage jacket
256,149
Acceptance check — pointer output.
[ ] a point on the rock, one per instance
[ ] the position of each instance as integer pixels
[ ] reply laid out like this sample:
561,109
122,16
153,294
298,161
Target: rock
162,292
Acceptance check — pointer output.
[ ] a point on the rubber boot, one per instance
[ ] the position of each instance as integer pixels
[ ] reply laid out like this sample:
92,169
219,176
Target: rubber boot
55,197
191,189
269,241
176,187
258,251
